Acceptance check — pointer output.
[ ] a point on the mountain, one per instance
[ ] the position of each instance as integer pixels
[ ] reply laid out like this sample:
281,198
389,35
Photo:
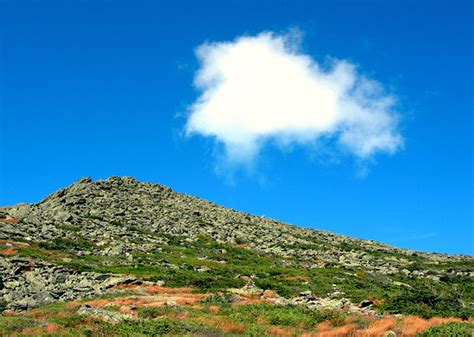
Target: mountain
119,236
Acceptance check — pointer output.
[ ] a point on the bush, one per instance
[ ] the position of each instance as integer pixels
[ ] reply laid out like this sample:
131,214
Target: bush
156,327
427,302
288,315
64,244
225,298
10,324
149,312
450,329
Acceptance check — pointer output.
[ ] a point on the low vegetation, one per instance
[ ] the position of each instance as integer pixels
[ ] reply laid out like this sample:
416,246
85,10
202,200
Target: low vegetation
214,315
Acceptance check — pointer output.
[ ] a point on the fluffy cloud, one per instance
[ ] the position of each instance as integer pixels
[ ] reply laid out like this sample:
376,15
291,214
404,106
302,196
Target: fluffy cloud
261,89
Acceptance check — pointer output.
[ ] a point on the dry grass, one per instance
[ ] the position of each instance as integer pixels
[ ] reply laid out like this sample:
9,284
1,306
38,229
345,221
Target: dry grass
249,301
15,244
297,278
269,294
149,296
126,286
222,324
412,325
344,330
9,220
232,327
8,252
164,290
72,304
128,311
214,309
377,327
277,331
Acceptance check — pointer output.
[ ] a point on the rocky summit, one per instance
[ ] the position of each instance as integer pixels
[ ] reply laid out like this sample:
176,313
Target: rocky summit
119,237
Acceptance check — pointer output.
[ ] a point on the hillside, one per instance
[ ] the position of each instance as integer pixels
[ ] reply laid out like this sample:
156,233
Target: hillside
119,238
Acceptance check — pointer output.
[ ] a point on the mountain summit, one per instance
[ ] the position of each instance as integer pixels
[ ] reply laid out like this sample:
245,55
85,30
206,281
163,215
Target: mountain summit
94,238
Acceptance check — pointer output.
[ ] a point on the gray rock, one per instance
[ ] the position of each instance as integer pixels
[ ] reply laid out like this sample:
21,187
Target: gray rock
103,315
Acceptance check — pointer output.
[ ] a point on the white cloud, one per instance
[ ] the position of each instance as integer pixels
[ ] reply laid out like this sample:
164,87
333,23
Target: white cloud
258,89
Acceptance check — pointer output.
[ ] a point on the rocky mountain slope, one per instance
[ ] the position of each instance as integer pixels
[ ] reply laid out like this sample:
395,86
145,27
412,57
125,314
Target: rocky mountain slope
92,237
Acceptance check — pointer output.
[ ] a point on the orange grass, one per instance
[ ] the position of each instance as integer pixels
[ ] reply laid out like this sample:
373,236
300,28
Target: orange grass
345,330
377,327
7,252
10,220
412,325
214,309
278,332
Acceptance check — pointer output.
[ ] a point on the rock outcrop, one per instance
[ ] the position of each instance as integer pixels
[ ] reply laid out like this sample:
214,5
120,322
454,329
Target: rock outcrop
120,217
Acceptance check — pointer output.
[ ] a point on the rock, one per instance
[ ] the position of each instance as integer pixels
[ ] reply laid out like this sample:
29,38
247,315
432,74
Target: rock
103,315
112,281
28,284
365,303
306,293
250,289
61,216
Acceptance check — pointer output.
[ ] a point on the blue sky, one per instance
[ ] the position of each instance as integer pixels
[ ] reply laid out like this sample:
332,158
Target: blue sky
100,88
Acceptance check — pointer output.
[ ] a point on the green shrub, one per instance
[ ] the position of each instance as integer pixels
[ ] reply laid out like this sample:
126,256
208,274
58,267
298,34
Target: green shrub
155,327
64,244
462,329
11,324
427,301
285,315
149,312
225,298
